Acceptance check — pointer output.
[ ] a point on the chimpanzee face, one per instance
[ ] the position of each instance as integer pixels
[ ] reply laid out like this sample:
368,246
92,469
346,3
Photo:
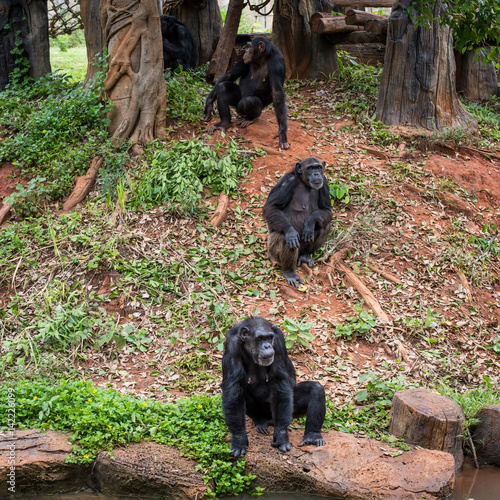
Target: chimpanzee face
258,338
248,55
311,170
254,52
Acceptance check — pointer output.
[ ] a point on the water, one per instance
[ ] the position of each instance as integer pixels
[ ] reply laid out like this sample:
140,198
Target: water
471,483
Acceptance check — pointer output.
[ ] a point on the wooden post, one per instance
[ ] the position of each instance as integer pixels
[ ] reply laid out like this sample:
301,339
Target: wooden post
220,59
429,420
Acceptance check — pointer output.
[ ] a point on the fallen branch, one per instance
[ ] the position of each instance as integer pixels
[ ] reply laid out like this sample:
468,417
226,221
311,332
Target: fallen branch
83,184
465,284
221,210
307,270
385,274
4,212
330,259
367,295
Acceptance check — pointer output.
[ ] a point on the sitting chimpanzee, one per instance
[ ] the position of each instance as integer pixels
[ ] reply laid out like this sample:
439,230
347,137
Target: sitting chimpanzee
298,213
262,74
258,379
179,45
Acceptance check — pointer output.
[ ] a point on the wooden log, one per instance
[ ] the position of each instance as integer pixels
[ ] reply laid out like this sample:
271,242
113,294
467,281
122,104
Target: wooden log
486,435
368,53
385,274
429,420
324,24
367,295
364,3
377,26
361,17
83,184
355,37
4,212
221,211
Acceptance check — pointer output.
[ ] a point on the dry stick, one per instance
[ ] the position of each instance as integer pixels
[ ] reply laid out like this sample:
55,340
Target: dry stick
465,284
221,211
15,272
385,274
307,270
473,448
364,291
330,279
333,259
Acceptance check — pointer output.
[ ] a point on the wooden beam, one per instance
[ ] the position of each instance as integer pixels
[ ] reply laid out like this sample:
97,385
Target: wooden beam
354,38
364,3
324,24
360,17
377,26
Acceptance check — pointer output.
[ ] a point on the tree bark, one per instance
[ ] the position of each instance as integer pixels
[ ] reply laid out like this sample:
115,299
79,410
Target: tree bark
429,420
307,54
94,37
418,80
476,80
204,20
134,81
220,60
486,435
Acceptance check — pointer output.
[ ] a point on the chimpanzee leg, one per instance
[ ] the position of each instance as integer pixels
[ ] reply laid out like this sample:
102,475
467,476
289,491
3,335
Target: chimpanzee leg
228,94
309,400
260,413
306,250
250,108
280,253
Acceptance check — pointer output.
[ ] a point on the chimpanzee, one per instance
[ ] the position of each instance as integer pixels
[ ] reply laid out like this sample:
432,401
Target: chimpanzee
262,74
179,45
258,379
298,213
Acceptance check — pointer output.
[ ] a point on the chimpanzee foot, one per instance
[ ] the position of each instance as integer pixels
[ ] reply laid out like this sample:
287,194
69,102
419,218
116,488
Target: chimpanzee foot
313,438
239,444
244,122
305,259
217,126
292,278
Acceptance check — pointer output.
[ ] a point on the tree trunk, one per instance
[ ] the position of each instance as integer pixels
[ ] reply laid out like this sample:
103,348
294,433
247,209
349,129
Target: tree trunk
220,60
307,54
475,79
486,435
31,19
418,80
429,420
94,37
204,20
134,81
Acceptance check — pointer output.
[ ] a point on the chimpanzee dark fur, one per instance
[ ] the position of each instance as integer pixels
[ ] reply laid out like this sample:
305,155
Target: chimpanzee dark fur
298,213
179,45
258,380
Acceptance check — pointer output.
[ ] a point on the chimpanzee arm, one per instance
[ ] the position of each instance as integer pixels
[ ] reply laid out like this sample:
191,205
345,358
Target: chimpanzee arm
233,396
320,217
279,198
237,71
282,409
276,78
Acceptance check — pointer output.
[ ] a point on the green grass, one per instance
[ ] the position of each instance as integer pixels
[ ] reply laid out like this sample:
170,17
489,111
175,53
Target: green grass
72,61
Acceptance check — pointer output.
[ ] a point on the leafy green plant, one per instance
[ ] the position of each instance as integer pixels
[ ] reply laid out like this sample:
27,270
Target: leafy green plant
378,390
177,173
381,134
102,419
339,192
297,331
358,325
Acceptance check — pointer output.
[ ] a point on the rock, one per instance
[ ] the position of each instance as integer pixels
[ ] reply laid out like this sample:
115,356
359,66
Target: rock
430,420
39,463
148,469
352,467
486,435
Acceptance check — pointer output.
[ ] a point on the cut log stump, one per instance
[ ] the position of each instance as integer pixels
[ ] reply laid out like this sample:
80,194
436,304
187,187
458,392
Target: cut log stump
486,435
429,420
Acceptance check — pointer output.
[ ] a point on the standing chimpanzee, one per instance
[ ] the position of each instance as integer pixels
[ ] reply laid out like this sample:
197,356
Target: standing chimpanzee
258,379
298,213
179,45
262,74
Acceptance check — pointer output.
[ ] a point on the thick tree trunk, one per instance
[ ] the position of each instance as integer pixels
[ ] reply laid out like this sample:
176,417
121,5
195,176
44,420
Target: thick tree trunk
94,37
429,420
418,80
204,20
220,60
307,54
135,81
486,435
475,79
31,19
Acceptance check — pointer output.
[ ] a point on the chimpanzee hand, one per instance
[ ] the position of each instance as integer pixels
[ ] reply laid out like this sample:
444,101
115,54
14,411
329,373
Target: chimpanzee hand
280,440
308,233
283,140
313,438
207,114
292,238
239,443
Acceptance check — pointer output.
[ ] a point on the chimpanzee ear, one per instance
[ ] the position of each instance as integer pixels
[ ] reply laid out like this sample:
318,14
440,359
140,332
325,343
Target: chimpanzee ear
324,164
262,47
298,168
244,332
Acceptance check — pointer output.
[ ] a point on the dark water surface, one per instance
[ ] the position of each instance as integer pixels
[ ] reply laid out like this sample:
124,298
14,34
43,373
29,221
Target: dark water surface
471,483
